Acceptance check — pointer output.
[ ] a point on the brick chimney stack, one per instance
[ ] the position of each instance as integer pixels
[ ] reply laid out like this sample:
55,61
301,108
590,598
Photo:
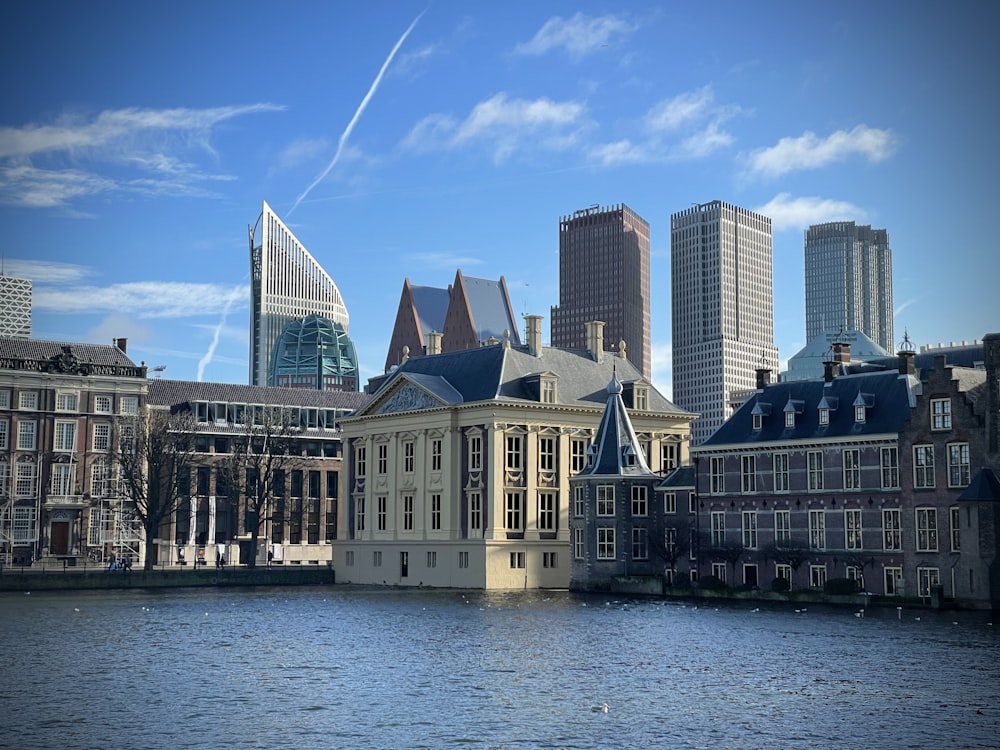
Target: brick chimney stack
533,334
595,339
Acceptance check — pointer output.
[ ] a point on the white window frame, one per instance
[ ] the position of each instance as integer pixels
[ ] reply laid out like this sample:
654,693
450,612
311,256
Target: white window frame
748,474
889,461
578,454
955,528
892,580
381,513
670,502
782,526
67,401
62,478
128,405
640,543
514,516
606,543
817,529
892,530
783,570
718,528
514,450
925,519
64,436
605,500
940,414
102,403
382,462
853,537
817,575
923,466
717,476
640,500
408,512
27,435
749,518
475,452
814,461
409,456
927,578
436,447
578,545
475,511
852,468
546,453
959,468
546,517
28,401
436,511
4,433
780,470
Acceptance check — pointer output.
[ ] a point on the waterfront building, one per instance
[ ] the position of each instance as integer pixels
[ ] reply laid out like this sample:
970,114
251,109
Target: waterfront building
848,281
859,475
467,314
15,307
314,352
286,284
460,462
722,306
59,406
299,526
616,527
604,275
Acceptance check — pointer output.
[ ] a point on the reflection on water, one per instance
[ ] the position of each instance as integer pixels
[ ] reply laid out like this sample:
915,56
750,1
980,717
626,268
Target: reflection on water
343,668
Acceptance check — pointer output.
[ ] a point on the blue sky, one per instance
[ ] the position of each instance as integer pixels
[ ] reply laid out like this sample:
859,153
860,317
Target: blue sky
404,139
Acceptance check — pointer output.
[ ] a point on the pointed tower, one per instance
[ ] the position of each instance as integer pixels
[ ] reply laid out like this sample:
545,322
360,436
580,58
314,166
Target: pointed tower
616,527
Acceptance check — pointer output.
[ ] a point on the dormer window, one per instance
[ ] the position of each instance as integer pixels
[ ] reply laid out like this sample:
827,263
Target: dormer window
790,418
629,455
862,403
640,398
792,408
859,414
824,416
760,410
758,422
548,390
591,454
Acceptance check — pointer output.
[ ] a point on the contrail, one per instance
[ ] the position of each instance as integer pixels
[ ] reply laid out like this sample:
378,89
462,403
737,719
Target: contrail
357,115
207,359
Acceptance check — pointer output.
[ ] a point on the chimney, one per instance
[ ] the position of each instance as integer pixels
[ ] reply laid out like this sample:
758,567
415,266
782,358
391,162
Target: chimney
991,361
533,334
122,344
842,352
433,342
763,377
595,339
906,362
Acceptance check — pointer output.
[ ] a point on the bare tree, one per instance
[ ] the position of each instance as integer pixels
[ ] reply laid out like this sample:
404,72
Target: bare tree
675,543
155,453
257,464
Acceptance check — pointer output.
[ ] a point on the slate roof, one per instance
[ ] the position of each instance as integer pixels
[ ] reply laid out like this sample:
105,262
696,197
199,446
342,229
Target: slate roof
616,450
681,477
808,362
38,349
890,398
174,392
488,305
984,487
432,305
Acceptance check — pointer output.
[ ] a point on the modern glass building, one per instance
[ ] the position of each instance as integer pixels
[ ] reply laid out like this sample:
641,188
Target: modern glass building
848,280
722,308
15,307
314,352
286,284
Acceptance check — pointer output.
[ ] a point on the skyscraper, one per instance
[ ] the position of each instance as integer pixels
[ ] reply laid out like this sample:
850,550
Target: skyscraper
15,307
722,308
286,284
848,271
604,275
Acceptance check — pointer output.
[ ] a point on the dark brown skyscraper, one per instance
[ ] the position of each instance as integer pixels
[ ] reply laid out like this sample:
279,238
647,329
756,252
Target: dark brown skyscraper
604,275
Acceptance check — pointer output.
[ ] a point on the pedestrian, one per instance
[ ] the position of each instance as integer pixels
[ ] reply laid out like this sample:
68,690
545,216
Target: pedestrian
222,561
111,563
218,560
270,556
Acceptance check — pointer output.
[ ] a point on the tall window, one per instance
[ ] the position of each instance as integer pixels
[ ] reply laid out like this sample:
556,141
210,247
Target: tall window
359,515
940,413
546,454
129,405
606,543
381,512
548,391
436,512
817,529
718,528
852,528
100,478
926,529
102,404
24,479
24,525
670,542
66,402
892,530
815,461
717,475
780,462
515,511
578,455
65,436
852,469
436,454
62,479
748,466
578,546
475,511
955,523
890,468
782,527
579,500
640,506
893,580
26,435
605,499
514,447
407,512
546,511
4,477
383,458
475,453
923,465
817,576
640,544
927,579
28,400
4,427
750,529
669,502
958,464
409,451
360,461
669,457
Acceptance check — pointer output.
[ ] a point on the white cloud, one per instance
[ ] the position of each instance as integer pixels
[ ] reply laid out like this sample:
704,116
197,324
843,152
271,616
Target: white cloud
44,271
619,152
671,114
787,212
579,36
116,326
809,151
704,142
302,151
143,299
443,260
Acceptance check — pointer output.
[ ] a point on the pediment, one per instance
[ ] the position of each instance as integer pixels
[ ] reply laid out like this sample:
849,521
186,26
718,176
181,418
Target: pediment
405,396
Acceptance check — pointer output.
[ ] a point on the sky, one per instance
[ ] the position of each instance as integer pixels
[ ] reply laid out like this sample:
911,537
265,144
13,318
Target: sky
403,139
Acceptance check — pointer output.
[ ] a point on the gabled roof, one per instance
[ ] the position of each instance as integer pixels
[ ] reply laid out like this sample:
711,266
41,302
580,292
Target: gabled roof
984,487
887,392
431,304
489,306
616,450
682,477
174,392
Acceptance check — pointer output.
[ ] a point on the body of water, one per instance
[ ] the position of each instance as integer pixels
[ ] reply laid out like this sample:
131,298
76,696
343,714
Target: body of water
337,667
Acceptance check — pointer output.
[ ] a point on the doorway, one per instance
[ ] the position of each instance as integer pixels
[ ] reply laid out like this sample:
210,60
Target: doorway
59,538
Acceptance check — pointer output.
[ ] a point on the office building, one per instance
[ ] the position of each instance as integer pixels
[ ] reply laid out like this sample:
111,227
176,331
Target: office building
848,280
722,306
286,283
15,307
314,352
604,275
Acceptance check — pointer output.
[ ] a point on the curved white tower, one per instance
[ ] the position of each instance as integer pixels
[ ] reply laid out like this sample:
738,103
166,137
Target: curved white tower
286,284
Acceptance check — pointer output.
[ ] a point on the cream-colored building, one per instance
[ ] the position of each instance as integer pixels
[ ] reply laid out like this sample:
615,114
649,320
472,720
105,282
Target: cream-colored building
459,463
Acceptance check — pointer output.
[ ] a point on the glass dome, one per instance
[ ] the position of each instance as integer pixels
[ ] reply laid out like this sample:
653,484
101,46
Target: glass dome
314,352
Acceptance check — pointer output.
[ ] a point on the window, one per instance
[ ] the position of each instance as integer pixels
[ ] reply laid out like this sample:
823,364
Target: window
668,456
514,443
381,514
28,400
748,466
782,527
817,576
641,394
64,439
640,544
718,528
750,529
940,413
66,402
717,476
383,459
515,512
692,502
824,416
693,546
955,522
890,468
100,479
578,455
129,405
605,499
4,429
817,529
893,581
927,579
407,512
475,453
360,461
780,463
758,422
578,546
432,559
475,511
548,391
4,477
517,559
4,398
789,418
669,502
640,506
670,542
349,558
549,560
463,559
853,573
409,449
859,413
783,570
26,435
923,465
24,525
579,500
24,479
605,543
926,529
436,455
892,539
102,404
102,437
436,512
546,511
359,515
376,558
852,528
815,461
62,480
958,465
719,571
546,454
852,469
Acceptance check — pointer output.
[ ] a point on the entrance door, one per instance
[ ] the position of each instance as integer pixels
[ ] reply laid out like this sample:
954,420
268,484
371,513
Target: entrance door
59,544
750,576
404,564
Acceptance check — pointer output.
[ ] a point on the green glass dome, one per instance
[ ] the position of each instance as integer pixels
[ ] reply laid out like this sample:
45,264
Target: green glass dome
314,352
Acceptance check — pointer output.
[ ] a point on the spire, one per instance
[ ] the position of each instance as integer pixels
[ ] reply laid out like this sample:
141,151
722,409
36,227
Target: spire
616,450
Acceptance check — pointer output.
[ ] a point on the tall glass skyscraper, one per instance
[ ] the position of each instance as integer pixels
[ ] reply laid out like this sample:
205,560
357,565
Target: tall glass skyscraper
286,284
604,275
848,271
722,308
15,307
